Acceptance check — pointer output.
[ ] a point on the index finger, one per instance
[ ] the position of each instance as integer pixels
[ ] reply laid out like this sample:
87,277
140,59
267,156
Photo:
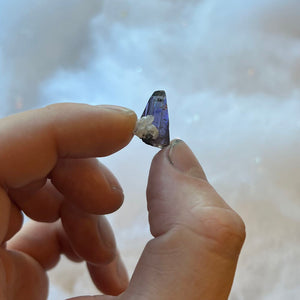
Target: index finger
32,141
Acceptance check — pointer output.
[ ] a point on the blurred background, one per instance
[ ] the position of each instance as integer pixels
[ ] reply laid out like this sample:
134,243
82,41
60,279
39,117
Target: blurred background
231,70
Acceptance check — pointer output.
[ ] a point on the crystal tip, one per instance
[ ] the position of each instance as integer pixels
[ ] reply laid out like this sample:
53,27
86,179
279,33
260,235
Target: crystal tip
159,93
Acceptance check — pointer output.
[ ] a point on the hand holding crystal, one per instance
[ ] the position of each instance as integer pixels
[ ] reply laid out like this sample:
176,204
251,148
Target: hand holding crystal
48,171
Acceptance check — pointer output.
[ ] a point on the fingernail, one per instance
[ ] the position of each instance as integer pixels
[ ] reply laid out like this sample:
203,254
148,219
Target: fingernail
120,109
113,183
183,159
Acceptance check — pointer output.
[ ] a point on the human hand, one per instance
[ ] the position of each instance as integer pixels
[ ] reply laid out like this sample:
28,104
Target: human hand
194,252
47,170
197,236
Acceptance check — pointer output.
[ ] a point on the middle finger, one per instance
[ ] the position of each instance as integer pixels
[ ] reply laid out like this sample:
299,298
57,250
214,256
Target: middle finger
85,182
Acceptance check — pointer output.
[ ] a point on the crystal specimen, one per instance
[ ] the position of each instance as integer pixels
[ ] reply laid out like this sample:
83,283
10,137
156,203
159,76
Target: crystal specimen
153,127
145,127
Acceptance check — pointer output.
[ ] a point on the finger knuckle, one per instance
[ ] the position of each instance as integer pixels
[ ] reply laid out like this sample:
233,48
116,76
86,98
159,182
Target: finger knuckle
221,230
225,228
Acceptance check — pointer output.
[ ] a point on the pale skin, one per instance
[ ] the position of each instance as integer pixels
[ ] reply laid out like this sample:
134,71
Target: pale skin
48,169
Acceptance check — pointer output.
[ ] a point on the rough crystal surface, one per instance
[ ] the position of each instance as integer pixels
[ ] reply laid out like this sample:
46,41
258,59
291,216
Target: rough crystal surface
145,127
157,107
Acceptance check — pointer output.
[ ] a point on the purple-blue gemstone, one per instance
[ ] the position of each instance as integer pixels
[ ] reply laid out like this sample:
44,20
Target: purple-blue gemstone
157,107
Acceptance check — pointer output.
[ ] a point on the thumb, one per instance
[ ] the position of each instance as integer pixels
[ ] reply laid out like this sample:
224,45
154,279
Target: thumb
198,237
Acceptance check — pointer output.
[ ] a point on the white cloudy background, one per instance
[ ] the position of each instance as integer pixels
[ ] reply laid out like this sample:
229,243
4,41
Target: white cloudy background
231,70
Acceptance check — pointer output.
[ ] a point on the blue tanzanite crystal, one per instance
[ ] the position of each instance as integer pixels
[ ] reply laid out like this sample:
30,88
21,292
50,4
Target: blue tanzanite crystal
157,107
